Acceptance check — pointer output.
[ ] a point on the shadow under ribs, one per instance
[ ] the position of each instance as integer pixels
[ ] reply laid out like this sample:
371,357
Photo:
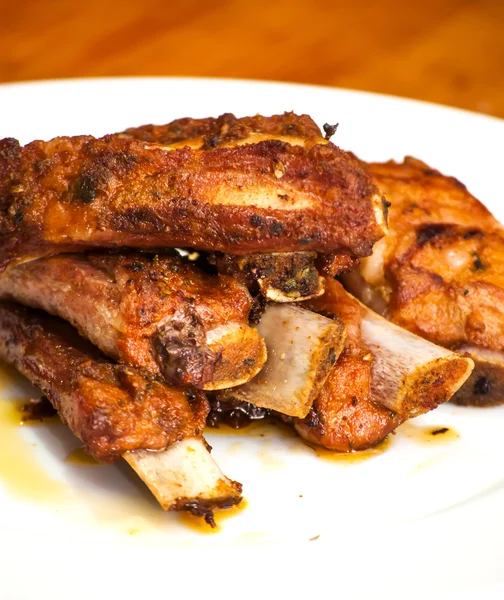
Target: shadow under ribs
118,411
159,313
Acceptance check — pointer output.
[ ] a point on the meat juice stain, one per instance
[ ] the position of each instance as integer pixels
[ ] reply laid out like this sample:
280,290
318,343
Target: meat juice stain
80,458
258,428
20,471
266,428
350,457
431,435
24,476
220,516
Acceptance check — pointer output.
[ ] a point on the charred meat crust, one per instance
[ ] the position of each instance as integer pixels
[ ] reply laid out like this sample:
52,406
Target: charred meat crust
450,301
234,413
484,388
113,409
159,313
226,129
79,193
289,275
205,508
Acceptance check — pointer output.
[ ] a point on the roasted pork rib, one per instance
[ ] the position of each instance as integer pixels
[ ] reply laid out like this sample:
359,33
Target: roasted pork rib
384,376
159,313
440,271
281,277
119,411
268,193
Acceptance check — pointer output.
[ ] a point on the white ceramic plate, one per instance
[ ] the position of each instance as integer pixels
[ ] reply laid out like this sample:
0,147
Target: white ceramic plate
420,518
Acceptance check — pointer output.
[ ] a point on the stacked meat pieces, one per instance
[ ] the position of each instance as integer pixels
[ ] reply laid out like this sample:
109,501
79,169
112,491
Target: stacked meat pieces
196,262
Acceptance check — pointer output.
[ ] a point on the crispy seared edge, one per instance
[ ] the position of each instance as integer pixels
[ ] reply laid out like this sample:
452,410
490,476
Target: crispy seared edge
266,196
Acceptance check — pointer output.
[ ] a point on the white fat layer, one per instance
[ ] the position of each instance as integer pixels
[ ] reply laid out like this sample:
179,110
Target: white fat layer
185,471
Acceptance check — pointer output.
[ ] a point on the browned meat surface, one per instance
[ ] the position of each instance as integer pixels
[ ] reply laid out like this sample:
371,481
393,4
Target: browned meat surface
228,129
384,376
268,195
440,271
158,313
281,277
112,408
343,416
285,277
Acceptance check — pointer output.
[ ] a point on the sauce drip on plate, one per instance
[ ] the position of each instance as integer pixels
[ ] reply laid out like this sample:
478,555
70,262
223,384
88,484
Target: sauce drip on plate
431,434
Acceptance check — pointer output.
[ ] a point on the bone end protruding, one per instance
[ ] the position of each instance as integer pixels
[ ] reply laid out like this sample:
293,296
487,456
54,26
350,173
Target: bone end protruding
410,375
186,477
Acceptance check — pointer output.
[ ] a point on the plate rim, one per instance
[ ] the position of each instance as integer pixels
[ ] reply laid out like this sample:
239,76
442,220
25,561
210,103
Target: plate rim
69,81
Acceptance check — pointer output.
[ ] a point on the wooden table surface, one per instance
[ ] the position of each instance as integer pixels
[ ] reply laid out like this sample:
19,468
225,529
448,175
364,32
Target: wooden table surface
447,51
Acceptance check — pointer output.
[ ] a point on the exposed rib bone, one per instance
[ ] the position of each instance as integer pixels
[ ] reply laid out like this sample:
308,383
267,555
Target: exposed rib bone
409,374
384,376
302,347
185,477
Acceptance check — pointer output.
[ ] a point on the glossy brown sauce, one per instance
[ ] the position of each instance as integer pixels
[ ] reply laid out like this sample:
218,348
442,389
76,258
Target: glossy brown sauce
432,434
220,516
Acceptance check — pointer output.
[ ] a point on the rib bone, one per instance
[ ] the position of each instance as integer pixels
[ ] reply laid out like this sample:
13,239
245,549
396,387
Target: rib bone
161,314
185,477
302,347
409,374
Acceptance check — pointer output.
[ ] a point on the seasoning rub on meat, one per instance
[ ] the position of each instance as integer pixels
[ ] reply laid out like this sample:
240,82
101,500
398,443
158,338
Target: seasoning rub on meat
159,313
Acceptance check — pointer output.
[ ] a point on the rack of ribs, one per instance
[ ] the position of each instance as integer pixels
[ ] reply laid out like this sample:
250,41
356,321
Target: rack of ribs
440,272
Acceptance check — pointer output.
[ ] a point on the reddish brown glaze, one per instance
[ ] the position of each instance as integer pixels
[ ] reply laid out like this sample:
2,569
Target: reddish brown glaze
81,192
112,408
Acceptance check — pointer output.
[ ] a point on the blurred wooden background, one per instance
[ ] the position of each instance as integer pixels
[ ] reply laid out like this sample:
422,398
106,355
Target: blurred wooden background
448,51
